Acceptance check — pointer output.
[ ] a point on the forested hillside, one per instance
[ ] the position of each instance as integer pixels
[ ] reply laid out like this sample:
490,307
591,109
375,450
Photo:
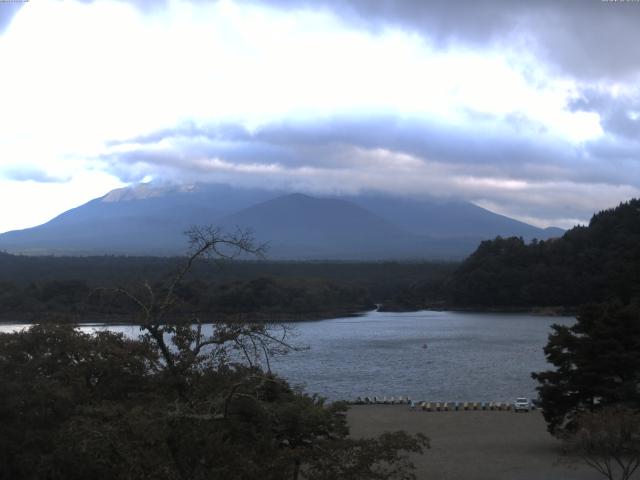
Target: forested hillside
587,264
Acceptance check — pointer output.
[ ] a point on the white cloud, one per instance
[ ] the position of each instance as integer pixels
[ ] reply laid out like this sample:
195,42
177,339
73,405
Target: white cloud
78,75
19,197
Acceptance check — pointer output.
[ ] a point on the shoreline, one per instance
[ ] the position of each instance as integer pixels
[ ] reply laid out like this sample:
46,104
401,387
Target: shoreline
125,319
550,311
128,319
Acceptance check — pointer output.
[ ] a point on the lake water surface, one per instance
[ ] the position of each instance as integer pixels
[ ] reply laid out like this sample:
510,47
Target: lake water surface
469,356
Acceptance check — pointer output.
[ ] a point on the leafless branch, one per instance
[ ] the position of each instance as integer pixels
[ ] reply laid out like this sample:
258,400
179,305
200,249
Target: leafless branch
252,341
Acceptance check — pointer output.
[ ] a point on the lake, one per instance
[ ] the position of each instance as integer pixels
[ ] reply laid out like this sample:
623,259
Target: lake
469,356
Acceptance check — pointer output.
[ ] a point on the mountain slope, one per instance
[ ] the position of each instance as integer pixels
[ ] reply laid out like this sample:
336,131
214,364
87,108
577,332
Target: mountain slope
149,220
300,226
438,218
139,220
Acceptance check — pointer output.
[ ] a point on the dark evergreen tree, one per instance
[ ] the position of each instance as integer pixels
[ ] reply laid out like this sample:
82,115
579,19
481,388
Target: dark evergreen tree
597,363
587,264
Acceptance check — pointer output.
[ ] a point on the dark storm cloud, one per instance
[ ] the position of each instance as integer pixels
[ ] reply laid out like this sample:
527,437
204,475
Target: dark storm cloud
312,142
482,150
484,143
619,114
442,19
586,38
524,172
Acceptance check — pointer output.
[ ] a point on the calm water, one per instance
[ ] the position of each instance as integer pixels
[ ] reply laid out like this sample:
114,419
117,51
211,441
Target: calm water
469,356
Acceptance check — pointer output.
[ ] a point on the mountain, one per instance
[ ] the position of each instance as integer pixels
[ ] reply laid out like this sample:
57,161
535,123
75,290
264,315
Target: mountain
442,218
300,226
150,219
139,220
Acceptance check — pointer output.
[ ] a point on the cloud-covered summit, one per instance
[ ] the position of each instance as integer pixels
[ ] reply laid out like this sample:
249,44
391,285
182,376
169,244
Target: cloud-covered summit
534,172
530,109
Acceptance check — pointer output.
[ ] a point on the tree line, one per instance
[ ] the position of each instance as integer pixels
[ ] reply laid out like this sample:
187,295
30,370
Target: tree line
262,297
593,263
78,288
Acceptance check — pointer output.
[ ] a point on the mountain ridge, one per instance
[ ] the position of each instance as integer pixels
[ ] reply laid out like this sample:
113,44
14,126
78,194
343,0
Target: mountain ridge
149,220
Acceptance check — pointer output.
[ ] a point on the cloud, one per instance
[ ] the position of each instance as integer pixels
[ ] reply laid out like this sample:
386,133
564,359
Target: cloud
585,38
33,174
489,148
526,107
516,170
619,113
145,6
7,11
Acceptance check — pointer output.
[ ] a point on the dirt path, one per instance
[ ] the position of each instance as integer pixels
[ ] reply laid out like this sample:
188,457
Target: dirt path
475,445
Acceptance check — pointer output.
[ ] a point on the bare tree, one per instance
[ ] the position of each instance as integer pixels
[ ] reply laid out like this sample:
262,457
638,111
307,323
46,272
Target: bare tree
608,440
184,345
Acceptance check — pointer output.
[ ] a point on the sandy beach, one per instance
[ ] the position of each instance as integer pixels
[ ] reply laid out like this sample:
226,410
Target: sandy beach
475,445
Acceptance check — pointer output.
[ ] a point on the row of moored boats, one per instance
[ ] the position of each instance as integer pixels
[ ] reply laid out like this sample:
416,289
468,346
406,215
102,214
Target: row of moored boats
433,406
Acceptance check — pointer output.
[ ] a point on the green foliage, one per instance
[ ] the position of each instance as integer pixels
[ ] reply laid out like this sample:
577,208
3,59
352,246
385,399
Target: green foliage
176,403
597,363
48,375
594,263
101,406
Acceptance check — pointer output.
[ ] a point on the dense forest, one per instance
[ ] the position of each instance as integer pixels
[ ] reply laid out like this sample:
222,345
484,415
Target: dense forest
587,264
593,263
85,288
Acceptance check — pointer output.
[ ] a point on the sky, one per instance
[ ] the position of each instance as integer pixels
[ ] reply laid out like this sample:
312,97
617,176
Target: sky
529,109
